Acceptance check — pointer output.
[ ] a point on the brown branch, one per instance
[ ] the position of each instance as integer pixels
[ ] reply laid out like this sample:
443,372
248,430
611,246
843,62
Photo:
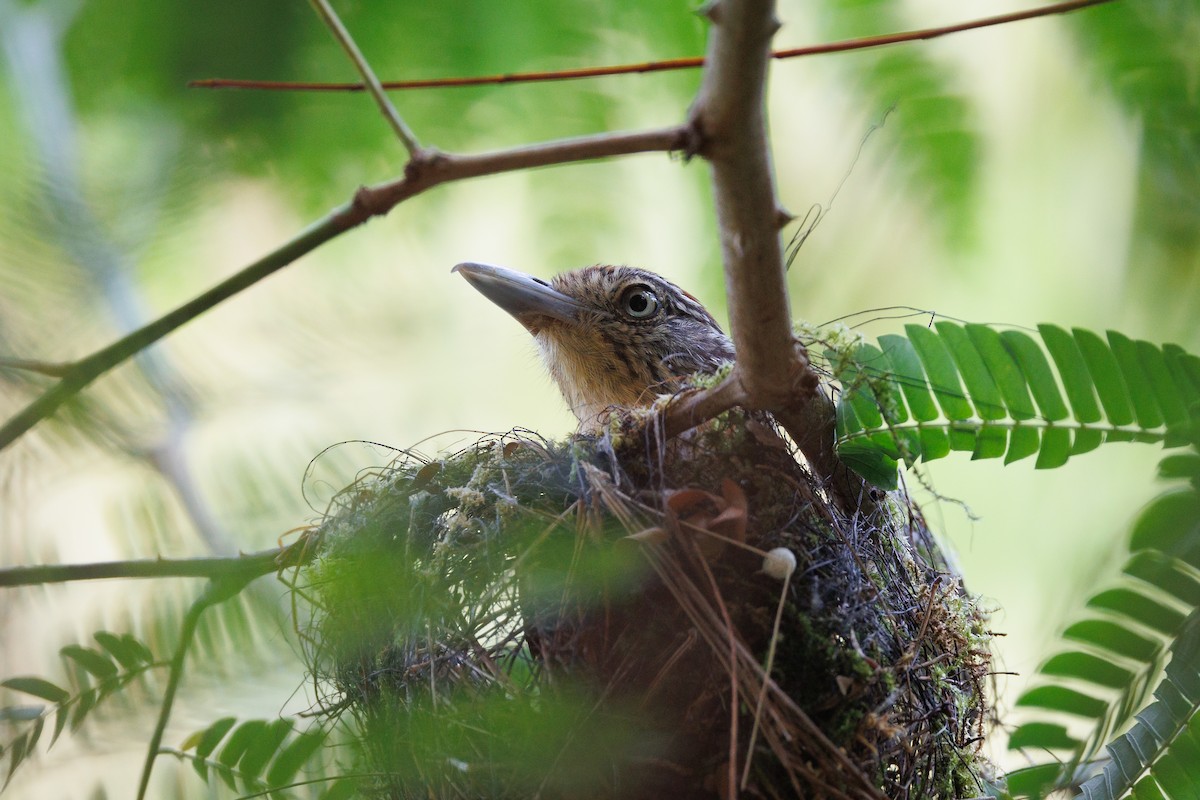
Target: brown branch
688,409
730,120
772,369
426,170
666,65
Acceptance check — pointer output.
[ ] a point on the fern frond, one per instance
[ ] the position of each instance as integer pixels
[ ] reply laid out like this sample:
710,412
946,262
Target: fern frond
94,675
1124,640
1160,755
258,755
1005,394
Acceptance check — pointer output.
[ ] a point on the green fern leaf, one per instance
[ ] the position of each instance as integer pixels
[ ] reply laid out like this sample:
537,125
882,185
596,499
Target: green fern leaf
1160,754
996,395
38,688
1144,620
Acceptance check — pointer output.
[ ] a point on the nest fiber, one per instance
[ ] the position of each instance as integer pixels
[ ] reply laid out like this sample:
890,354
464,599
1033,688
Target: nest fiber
595,618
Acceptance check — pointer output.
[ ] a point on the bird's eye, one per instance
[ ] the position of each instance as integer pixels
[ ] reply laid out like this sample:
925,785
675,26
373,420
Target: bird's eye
639,302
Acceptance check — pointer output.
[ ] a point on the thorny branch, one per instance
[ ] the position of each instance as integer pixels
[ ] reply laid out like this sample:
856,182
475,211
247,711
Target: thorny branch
666,65
772,371
247,565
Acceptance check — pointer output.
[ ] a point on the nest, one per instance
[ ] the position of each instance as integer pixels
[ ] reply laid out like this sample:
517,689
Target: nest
591,619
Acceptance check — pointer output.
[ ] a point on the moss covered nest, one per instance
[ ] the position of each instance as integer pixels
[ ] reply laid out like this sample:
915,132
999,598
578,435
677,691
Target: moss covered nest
592,619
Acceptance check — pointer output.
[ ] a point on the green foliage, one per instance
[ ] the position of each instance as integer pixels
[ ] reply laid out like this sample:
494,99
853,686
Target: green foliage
932,129
94,674
118,50
1146,52
262,756
1000,394
1159,756
1122,644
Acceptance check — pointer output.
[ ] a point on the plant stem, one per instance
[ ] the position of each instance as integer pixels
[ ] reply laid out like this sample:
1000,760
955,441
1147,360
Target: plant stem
427,170
334,23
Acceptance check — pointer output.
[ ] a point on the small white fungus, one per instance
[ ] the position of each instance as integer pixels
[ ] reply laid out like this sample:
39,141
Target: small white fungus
779,563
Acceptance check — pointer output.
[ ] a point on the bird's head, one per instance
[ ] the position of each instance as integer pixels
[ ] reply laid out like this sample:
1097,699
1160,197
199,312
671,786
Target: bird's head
610,336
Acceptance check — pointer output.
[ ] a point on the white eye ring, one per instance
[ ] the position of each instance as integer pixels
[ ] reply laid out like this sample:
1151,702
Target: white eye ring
639,302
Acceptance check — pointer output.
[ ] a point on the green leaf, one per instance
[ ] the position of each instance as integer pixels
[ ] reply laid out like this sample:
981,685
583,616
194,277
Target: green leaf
981,388
263,747
990,442
293,757
1059,698
1056,448
1147,789
906,367
17,750
1170,399
1162,572
869,461
1170,524
1106,375
1110,636
1086,440
1023,442
342,789
1038,374
1077,381
935,443
943,375
1033,781
1004,370
92,661
38,688
1087,667
1136,380
125,649
239,740
1137,606
211,736
1042,735
1180,465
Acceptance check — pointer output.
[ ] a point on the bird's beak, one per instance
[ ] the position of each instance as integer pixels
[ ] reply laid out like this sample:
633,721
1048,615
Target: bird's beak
529,300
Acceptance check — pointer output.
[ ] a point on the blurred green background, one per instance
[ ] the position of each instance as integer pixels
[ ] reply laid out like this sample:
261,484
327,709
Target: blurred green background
1043,171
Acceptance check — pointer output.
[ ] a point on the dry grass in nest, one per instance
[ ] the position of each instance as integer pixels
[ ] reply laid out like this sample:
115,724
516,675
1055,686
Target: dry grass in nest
591,619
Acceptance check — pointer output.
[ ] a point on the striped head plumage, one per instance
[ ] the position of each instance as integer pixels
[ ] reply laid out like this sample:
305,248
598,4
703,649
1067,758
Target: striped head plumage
610,336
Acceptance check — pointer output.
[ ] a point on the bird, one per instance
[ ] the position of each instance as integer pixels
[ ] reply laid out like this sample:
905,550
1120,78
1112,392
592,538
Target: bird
610,336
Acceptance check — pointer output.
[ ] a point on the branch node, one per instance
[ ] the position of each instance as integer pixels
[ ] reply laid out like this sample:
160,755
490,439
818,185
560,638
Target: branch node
692,138
783,217
711,10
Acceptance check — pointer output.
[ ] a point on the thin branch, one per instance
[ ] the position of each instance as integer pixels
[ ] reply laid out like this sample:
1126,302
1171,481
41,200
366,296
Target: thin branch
331,20
666,65
425,171
689,409
51,369
248,566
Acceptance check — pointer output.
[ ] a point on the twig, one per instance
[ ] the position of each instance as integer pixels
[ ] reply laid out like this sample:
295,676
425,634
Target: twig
425,171
247,566
665,65
688,409
188,632
331,20
52,369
